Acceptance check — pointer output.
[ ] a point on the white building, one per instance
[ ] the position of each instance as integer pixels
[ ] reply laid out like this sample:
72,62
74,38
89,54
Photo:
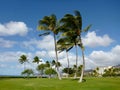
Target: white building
102,69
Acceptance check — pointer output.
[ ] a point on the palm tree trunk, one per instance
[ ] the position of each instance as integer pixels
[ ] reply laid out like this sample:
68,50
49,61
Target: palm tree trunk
83,68
57,68
68,62
24,69
75,76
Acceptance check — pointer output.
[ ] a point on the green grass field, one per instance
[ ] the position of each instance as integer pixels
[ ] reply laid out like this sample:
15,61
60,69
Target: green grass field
55,84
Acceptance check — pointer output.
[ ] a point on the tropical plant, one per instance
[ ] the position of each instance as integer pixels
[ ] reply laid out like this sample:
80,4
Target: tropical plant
40,68
64,44
23,59
50,24
36,60
50,71
72,29
54,63
96,72
47,64
27,72
71,71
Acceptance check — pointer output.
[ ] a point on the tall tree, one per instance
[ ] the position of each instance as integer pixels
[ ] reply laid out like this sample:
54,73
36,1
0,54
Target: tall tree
64,44
72,28
50,24
23,59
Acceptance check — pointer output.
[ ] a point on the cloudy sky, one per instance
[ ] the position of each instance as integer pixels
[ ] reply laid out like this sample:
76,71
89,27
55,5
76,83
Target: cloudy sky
19,34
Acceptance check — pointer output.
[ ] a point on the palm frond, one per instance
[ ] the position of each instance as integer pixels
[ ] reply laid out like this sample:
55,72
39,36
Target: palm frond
42,27
69,48
87,28
44,34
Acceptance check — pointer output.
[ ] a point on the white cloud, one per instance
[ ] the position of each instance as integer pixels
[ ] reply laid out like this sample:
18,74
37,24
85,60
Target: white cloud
41,53
13,28
6,43
103,58
10,56
92,40
46,43
96,58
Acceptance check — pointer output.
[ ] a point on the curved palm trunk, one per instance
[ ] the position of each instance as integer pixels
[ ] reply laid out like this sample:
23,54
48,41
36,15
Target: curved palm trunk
75,76
83,68
57,68
68,62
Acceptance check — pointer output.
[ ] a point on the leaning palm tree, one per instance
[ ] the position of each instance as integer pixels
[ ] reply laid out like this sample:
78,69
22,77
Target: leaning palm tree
23,59
49,24
64,44
72,28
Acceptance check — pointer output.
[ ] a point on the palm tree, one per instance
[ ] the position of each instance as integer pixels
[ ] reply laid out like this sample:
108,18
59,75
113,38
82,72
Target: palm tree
23,59
36,60
64,44
47,64
72,28
54,63
49,23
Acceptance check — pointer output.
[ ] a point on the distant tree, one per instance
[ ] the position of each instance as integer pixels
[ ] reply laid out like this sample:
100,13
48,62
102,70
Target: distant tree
47,64
71,71
40,68
36,60
54,63
23,59
50,71
79,69
96,72
27,72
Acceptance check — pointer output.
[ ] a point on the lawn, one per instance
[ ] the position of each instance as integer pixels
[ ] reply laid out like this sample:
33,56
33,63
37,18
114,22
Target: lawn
55,84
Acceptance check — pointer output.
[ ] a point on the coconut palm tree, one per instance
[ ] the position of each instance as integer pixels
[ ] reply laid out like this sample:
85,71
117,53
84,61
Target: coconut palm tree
23,59
72,28
64,44
47,64
36,60
50,24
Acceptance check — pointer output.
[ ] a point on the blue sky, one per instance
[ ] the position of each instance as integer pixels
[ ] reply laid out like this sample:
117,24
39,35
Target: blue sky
19,34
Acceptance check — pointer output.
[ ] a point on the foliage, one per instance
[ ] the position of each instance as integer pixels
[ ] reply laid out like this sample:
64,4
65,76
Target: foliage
27,72
41,68
50,24
71,71
36,60
50,72
111,72
23,59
